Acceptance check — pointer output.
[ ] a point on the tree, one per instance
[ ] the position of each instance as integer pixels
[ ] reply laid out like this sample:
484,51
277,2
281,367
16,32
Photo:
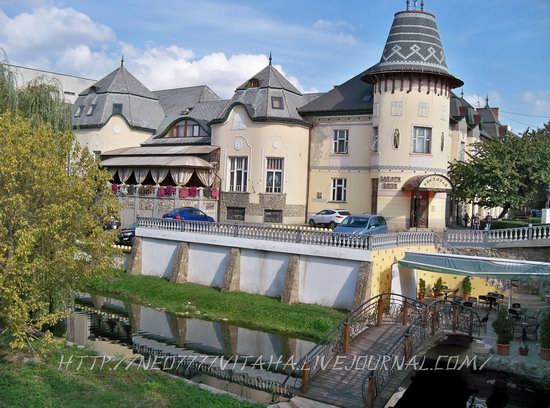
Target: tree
54,199
507,172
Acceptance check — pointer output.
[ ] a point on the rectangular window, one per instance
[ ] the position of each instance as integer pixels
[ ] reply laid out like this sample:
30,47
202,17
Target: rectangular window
423,109
375,109
79,111
193,130
273,216
375,139
341,141
236,213
339,189
396,108
91,110
117,108
238,174
462,152
422,140
277,102
274,175
374,197
444,114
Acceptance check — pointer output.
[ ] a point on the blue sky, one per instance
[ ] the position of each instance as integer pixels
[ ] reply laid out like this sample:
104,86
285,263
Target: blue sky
497,47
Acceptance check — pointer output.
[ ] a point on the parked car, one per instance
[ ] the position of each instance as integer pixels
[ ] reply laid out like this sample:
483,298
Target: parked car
127,235
112,224
188,214
328,217
536,213
363,224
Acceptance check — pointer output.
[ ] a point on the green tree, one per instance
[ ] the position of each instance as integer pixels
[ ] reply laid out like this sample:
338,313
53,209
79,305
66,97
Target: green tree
54,199
507,172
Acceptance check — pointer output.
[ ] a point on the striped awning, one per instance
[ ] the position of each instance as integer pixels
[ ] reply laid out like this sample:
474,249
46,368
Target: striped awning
157,161
500,268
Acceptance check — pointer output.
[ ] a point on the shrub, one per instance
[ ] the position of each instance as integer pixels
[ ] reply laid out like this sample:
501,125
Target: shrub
170,190
545,331
503,327
184,192
467,285
193,191
421,285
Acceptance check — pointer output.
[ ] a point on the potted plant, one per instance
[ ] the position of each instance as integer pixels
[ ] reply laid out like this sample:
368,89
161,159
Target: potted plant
466,287
523,350
421,288
438,286
545,337
504,329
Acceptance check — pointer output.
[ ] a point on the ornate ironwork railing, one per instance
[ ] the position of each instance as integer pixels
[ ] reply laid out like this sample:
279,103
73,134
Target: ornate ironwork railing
292,235
441,315
498,236
387,308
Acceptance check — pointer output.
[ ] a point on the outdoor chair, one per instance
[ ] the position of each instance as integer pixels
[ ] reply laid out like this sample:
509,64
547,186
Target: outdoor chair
532,316
484,322
482,300
473,300
516,305
514,313
468,304
533,330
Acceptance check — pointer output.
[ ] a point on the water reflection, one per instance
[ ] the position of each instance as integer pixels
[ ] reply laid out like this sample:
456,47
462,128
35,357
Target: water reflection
225,356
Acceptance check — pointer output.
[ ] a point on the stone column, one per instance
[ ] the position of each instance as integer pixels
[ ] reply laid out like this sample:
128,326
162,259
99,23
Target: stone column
363,287
230,339
232,276
134,313
178,327
291,289
134,264
181,264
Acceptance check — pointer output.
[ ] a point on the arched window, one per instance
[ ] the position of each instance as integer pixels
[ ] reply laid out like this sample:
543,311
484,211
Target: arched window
253,83
186,128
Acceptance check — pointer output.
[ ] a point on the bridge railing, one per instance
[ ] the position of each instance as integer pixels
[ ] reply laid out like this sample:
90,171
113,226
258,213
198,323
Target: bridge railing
493,237
441,315
387,308
292,235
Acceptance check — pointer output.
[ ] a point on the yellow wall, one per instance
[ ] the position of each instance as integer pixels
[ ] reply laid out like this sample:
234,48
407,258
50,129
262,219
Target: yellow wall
479,286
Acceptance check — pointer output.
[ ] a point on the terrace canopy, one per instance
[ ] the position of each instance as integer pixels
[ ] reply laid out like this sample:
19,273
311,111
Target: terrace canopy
499,268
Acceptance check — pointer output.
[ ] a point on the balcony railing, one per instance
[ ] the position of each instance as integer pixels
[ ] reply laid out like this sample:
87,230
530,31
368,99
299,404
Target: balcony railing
298,236
182,193
498,236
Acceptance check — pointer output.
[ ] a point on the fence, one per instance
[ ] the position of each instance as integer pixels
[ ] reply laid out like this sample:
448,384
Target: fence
495,237
299,236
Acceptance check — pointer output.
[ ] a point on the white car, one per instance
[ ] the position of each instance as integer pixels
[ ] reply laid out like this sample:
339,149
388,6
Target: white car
328,217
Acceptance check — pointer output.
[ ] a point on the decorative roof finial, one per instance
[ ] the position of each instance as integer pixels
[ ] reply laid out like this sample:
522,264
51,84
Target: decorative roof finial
415,3
462,93
270,57
122,61
422,5
408,4
487,100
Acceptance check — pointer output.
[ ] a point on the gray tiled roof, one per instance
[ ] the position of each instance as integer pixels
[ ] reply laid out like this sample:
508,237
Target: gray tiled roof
120,81
176,100
258,101
413,45
353,95
490,123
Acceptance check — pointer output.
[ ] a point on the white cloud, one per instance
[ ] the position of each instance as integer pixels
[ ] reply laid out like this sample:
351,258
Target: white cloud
536,102
478,101
332,25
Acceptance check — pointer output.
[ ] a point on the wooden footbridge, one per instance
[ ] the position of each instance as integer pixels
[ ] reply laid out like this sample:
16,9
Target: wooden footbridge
355,364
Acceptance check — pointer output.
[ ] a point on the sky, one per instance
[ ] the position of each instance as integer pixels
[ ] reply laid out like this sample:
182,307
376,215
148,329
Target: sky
499,48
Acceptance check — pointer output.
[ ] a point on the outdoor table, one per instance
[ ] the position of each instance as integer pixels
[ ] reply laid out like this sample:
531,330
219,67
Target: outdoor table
492,300
446,292
524,326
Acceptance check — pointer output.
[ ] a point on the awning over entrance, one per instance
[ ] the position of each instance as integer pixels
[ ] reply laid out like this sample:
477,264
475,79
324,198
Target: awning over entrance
500,268
429,182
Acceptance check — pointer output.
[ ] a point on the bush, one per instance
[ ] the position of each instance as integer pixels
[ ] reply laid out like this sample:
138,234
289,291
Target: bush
421,285
503,327
503,224
467,285
545,331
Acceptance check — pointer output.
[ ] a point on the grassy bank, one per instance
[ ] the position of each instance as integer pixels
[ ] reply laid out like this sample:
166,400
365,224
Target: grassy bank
243,309
42,384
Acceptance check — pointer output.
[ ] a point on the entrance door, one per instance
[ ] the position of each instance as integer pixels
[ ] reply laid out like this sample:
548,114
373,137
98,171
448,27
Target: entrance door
419,209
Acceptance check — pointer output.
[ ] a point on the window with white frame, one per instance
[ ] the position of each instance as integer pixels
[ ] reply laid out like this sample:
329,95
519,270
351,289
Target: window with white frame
375,109
396,108
375,139
444,114
422,140
341,141
274,175
339,189
91,110
238,174
423,109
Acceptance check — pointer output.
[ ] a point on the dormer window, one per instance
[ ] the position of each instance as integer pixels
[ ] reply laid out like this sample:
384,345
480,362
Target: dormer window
277,102
117,108
91,110
186,128
253,83
79,111
93,89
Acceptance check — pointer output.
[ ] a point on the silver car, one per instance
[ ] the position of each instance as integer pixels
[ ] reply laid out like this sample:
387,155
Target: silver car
329,217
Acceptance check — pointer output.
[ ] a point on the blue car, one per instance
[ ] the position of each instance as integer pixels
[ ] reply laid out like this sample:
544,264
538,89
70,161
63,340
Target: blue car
363,224
188,214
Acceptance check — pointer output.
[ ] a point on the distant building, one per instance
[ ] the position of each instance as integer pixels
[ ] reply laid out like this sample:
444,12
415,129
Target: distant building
70,84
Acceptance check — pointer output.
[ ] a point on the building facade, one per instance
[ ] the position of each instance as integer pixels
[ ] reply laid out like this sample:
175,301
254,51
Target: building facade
380,142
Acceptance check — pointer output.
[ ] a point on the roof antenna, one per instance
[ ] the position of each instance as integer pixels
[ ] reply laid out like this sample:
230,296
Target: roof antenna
122,61
270,58
462,93
422,5
408,4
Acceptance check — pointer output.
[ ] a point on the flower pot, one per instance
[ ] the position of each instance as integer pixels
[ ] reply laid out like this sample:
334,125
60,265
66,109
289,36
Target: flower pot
503,349
466,295
421,295
545,353
523,351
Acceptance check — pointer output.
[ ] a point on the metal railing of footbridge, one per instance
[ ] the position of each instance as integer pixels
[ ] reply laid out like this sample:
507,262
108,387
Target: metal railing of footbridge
440,315
386,308
292,235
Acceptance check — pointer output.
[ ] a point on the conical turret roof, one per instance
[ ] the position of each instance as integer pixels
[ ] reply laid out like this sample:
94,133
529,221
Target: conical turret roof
413,45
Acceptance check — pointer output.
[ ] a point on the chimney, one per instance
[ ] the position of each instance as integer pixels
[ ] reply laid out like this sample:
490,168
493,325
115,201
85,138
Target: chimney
495,112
